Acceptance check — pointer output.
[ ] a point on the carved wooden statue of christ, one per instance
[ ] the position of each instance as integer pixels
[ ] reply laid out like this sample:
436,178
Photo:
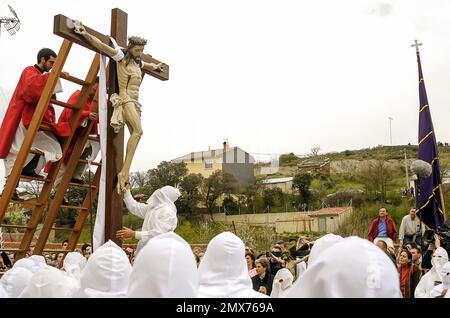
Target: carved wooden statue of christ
127,109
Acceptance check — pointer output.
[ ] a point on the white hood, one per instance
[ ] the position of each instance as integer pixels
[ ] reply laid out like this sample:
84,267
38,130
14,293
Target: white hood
445,275
165,268
47,283
74,263
223,270
15,280
321,245
439,258
281,283
26,263
352,268
106,274
428,281
165,195
39,262
163,214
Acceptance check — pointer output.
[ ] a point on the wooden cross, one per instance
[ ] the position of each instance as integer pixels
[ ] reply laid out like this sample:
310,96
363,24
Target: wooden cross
115,146
416,44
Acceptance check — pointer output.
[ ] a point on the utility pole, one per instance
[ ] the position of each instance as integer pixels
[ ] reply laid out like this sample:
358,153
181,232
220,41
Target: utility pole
390,128
406,170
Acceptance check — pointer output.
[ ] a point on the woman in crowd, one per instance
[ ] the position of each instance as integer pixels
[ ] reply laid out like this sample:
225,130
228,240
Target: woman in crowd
250,259
409,274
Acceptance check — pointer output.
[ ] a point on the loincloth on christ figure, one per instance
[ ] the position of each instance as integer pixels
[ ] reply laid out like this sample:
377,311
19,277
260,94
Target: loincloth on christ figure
118,103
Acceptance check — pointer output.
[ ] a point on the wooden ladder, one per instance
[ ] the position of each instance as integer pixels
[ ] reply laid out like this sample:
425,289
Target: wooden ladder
40,204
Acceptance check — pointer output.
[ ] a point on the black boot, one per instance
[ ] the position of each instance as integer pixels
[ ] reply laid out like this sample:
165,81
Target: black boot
28,170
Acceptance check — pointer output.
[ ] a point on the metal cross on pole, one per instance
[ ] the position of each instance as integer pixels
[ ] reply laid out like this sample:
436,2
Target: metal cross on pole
416,44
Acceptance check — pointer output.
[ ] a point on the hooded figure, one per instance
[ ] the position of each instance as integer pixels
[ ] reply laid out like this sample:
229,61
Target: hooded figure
321,245
281,283
26,263
39,262
433,277
445,276
165,268
15,280
159,214
106,274
352,268
73,264
48,282
223,272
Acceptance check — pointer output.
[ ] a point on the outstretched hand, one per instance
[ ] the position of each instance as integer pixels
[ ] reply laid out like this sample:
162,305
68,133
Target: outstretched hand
125,233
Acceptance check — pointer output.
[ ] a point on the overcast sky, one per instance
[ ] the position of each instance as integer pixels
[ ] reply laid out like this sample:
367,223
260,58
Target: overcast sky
271,76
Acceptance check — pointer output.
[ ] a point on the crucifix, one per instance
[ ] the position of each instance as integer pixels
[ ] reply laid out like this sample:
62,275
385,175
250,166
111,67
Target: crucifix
124,79
416,44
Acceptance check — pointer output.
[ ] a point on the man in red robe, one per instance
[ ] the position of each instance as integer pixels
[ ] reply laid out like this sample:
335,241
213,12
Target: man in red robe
92,147
18,117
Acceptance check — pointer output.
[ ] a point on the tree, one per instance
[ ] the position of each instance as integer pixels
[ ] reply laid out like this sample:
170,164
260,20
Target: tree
166,173
375,177
302,181
215,185
190,189
288,159
272,197
138,179
314,151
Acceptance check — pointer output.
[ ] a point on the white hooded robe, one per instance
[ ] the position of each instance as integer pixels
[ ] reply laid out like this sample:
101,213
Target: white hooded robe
223,270
165,268
433,277
159,214
352,268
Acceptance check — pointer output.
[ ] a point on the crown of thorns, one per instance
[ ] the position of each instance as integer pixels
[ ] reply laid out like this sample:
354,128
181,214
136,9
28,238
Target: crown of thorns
136,40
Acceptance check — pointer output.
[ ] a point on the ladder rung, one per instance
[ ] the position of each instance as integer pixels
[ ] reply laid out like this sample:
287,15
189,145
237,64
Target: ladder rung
45,127
95,138
74,79
73,207
35,178
92,162
82,185
63,229
11,249
66,105
27,203
14,226
55,250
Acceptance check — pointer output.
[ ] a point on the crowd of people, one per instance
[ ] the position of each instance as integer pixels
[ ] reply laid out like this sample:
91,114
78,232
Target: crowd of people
165,265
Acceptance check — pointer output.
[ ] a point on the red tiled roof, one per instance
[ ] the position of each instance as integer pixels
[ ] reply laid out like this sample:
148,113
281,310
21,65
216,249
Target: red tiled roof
329,211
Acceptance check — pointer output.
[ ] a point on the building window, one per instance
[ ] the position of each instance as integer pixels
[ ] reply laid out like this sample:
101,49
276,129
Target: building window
208,165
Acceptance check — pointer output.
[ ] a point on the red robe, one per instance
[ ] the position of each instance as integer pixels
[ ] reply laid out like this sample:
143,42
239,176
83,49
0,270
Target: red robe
65,119
22,106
